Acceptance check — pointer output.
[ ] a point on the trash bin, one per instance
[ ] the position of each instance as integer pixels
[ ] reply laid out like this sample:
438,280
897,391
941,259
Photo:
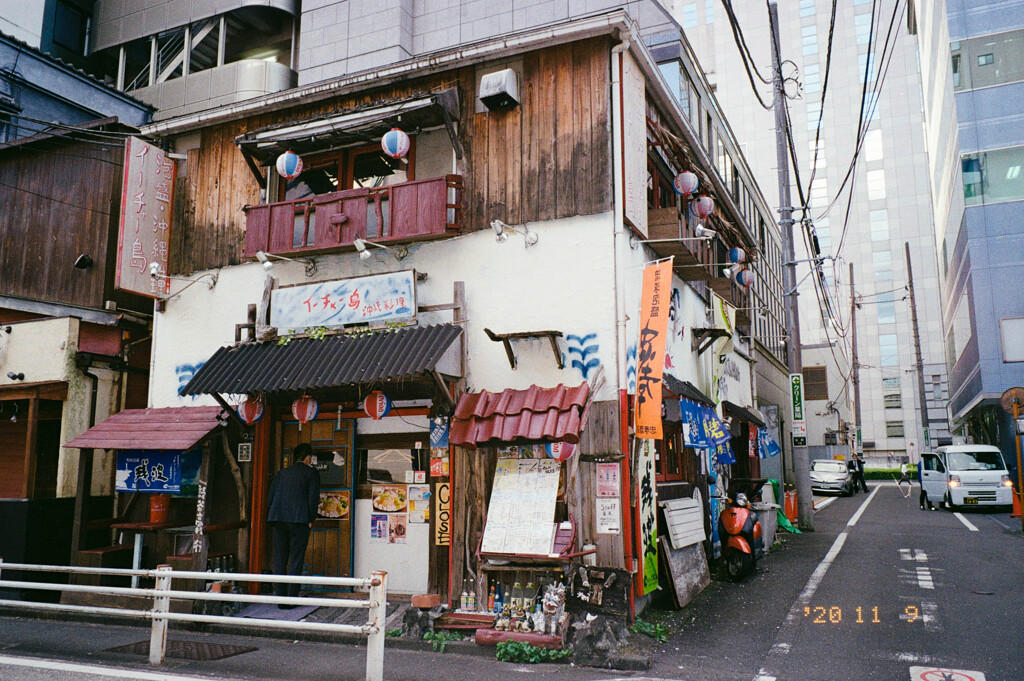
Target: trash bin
767,514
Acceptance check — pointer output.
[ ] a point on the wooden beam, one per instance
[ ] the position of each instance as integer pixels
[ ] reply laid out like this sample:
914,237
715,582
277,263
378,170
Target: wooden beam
49,390
31,440
82,495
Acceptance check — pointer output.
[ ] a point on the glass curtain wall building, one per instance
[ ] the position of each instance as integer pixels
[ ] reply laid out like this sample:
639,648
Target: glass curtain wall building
865,102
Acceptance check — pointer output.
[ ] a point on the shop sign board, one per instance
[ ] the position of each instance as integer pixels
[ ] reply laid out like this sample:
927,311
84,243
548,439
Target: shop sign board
148,471
647,533
521,512
650,355
633,122
147,193
443,514
375,299
796,385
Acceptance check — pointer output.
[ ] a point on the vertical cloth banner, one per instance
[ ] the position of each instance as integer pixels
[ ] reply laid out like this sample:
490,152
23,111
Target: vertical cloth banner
650,354
647,505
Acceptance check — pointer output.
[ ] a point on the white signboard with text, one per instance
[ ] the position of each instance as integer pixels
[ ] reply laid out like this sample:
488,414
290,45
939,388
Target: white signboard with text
375,299
634,144
145,227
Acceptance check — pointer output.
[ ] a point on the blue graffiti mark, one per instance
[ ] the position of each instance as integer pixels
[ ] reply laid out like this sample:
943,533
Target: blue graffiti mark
631,368
185,373
583,346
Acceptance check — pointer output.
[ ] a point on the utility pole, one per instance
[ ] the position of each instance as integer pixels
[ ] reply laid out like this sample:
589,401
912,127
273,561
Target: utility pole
917,352
801,464
854,368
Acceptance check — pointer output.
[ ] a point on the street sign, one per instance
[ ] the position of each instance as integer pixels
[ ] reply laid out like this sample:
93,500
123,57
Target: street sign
927,438
796,384
800,434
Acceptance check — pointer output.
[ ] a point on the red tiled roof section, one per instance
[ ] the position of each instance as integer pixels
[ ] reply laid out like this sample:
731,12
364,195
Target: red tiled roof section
537,414
159,428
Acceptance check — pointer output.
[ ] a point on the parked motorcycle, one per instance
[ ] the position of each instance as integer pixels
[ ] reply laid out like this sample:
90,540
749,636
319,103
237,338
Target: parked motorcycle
740,532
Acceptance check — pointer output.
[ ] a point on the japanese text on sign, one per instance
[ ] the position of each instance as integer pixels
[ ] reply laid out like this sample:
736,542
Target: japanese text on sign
362,300
650,355
144,233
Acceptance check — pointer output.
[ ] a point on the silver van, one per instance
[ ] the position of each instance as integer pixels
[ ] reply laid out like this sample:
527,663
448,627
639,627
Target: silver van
966,475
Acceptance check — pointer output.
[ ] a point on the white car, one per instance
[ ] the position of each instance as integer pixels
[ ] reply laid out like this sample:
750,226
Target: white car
828,475
966,475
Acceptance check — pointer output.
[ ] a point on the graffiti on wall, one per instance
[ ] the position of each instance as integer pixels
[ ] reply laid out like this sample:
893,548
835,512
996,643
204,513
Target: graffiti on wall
185,372
582,351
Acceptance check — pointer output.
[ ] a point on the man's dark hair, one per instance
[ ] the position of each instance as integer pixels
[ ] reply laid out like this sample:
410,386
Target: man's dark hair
301,452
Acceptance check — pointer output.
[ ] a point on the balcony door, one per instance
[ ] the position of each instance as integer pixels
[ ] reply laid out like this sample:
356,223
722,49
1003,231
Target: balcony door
356,167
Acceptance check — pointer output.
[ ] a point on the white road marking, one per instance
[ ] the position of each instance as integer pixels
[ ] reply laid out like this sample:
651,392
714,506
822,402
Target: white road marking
930,617
999,523
924,578
818,505
966,522
860,511
133,674
917,555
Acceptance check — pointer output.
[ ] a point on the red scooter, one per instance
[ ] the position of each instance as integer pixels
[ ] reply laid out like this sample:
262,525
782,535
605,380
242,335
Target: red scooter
740,532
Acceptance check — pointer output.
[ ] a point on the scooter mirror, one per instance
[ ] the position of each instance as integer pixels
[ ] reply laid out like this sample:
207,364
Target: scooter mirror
712,478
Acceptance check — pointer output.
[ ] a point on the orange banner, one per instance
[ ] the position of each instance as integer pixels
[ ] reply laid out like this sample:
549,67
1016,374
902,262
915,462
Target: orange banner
650,349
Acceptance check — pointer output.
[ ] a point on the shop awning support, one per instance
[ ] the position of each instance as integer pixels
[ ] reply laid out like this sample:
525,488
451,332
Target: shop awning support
255,169
443,389
507,338
703,338
229,409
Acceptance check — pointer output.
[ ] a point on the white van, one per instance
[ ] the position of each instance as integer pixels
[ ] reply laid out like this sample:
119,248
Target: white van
966,475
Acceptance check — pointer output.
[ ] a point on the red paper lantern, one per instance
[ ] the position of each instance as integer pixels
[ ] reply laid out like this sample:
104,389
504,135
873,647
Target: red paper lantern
703,206
560,451
685,183
305,409
377,405
251,410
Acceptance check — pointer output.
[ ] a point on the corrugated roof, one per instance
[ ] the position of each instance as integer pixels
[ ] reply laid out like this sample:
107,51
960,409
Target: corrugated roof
686,390
305,364
165,428
537,414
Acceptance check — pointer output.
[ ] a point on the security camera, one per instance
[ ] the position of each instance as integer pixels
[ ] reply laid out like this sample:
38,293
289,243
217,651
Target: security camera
154,269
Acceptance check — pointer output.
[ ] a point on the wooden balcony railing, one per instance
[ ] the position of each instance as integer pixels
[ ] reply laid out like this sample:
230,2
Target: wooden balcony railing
410,211
693,257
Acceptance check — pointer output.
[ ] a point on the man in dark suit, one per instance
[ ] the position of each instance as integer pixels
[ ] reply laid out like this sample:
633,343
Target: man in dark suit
293,502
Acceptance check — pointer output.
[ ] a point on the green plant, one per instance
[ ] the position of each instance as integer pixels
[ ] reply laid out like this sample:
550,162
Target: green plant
439,639
520,651
393,633
659,632
889,473
316,332
284,340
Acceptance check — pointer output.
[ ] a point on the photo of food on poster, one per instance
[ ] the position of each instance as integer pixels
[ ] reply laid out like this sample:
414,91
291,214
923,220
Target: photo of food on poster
334,503
379,528
397,526
389,498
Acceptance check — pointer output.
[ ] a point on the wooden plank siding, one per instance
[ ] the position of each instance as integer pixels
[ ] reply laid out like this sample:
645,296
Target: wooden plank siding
548,158
61,199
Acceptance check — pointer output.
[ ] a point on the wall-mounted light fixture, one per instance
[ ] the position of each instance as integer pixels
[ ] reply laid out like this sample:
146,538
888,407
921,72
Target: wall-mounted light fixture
364,252
702,234
268,264
501,232
15,376
14,418
83,262
155,273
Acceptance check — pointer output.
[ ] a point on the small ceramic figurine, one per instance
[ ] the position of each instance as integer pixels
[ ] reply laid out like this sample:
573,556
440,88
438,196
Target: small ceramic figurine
504,619
522,621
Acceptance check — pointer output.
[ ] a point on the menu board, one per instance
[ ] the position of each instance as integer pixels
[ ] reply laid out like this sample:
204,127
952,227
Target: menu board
521,515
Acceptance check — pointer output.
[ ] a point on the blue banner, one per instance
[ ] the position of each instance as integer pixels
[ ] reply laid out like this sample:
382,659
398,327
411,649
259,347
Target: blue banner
766,444
692,416
725,454
148,471
439,432
714,429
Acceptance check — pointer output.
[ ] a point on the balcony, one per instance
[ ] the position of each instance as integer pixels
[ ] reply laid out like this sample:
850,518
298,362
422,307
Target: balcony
409,211
693,257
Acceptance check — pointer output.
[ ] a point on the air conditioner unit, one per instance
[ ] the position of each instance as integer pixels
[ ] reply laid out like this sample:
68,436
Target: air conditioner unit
500,90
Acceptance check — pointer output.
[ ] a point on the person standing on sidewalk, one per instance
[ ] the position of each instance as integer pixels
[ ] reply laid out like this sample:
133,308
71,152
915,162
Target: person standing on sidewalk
293,502
904,478
858,473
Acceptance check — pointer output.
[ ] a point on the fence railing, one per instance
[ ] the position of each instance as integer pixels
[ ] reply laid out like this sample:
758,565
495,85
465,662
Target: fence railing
163,593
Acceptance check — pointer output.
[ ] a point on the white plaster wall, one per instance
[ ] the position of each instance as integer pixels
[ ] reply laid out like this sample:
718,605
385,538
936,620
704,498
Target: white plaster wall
564,282
39,349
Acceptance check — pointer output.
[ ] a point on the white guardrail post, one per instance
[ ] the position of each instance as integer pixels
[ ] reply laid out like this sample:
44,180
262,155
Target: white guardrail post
161,604
378,617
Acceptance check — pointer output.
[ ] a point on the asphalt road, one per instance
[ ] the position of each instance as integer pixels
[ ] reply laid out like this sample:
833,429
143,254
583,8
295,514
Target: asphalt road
881,590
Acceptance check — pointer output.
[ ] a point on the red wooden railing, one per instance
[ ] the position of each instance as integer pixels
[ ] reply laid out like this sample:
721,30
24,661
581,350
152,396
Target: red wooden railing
409,211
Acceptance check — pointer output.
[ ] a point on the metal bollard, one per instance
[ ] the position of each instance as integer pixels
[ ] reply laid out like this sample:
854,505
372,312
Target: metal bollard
161,604
377,618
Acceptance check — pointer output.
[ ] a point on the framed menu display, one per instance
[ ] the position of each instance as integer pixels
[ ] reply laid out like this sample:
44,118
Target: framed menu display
521,514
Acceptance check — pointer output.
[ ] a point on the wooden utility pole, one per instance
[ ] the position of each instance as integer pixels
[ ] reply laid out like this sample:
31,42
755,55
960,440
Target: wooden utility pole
801,464
925,433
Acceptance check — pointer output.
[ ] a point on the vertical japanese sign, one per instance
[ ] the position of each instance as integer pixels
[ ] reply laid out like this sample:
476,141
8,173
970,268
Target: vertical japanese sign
650,353
634,144
796,384
647,532
443,514
145,229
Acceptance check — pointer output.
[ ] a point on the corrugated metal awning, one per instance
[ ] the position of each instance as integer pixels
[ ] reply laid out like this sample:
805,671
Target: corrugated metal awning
359,124
743,414
309,364
163,428
686,390
534,415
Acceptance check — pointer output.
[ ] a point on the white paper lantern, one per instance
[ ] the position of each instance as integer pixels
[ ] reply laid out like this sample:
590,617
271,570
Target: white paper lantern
395,143
685,183
289,165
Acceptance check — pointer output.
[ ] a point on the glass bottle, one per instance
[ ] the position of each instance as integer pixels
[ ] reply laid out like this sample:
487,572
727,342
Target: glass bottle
499,600
490,599
471,605
517,595
529,596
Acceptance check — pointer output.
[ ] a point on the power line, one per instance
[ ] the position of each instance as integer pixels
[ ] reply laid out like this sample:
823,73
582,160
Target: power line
54,198
741,45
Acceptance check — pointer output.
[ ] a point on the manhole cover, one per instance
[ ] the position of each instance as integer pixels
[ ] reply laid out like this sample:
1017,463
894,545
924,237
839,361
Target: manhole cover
187,650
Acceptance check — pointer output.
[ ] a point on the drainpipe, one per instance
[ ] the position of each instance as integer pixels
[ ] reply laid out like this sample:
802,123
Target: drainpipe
83,489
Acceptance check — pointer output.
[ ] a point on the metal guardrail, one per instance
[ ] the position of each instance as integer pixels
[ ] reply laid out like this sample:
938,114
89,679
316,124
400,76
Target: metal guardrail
162,594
